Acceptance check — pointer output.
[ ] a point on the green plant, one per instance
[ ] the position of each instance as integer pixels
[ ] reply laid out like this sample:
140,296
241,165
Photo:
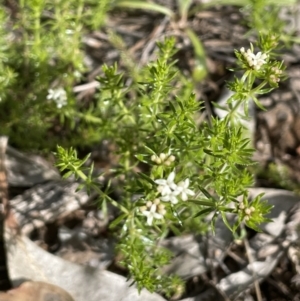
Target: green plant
172,170
188,171
41,59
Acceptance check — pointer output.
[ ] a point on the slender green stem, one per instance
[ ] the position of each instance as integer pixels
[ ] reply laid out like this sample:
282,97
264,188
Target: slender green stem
37,27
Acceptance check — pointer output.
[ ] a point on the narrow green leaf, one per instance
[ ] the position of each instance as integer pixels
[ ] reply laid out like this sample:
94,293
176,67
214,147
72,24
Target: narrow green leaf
206,193
202,203
84,159
140,157
117,221
200,70
67,174
184,6
175,230
146,6
150,150
204,212
264,91
172,107
226,221
145,177
258,103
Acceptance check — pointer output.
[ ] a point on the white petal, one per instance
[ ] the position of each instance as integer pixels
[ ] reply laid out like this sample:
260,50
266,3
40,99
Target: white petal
146,213
150,220
184,196
165,198
161,182
158,216
190,192
186,183
176,191
165,190
171,177
153,208
173,186
252,56
173,199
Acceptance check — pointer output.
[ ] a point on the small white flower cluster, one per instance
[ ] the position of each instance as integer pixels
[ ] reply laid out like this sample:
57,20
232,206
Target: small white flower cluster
155,210
163,159
59,96
247,211
276,74
170,191
255,61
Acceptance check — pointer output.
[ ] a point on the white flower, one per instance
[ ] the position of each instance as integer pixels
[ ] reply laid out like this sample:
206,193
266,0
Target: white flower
59,96
171,197
166,186
182,189
170,191
151,214
254,60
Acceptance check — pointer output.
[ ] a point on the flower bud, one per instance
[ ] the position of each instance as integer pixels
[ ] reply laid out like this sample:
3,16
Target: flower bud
161,206
162,211
143,208
247,211
162,156
153,158
171,158
158,161
156,201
